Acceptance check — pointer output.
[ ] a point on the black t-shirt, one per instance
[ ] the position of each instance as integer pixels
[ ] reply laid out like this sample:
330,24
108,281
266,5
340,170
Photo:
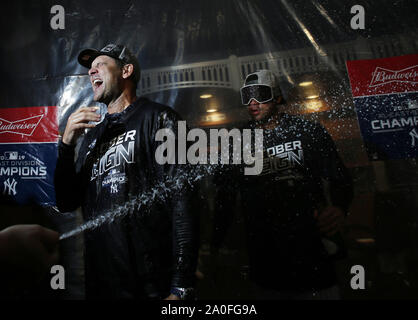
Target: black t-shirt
148,241
285,248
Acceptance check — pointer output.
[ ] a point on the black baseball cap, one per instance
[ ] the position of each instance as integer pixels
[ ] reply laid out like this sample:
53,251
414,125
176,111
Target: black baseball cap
115,51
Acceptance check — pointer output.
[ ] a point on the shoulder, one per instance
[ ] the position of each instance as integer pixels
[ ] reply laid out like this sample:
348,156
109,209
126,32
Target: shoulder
156,115
151,107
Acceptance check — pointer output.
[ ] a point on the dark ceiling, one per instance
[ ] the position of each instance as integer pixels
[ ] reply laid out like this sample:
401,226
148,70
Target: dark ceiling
35,59
181,31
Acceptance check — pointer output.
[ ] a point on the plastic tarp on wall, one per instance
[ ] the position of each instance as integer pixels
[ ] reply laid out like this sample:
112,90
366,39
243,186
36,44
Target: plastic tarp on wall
189,50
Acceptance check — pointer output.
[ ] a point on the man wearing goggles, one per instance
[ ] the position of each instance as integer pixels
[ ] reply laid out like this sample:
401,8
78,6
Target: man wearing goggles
261,93
299,198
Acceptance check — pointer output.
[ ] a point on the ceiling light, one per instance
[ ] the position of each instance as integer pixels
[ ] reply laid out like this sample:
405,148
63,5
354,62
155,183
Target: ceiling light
211,110
312,97
206,96
365,240
214,117
305,83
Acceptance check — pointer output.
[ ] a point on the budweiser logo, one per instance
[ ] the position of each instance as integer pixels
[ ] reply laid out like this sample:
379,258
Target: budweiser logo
383,76
24,127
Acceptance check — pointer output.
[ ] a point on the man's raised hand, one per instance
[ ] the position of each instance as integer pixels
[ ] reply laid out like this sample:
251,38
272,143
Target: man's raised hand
77,122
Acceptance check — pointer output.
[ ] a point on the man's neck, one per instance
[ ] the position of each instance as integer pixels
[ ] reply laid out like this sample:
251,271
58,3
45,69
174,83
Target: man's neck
125,99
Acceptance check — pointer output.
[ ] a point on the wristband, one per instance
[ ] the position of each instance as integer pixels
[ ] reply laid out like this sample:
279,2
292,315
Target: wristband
183,293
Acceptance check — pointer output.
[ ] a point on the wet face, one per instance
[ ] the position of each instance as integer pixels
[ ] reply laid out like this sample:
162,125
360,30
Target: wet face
105,78
260,111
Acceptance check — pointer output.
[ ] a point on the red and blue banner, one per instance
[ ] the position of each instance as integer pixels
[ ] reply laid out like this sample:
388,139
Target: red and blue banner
385,97
28,153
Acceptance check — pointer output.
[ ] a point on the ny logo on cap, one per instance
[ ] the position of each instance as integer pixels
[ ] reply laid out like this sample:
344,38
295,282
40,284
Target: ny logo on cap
109,48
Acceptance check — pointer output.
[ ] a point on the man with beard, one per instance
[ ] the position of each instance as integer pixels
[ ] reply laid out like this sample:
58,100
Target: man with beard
298,200
149,253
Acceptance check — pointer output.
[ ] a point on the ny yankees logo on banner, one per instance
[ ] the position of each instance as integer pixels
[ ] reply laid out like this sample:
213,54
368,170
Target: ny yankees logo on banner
414,136
10,187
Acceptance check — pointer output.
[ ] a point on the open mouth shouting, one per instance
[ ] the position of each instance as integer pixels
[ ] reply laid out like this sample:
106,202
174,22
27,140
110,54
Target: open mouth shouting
97,83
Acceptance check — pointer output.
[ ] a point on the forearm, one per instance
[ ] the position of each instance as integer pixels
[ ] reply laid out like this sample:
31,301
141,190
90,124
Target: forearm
341,190
184,244
336,175
184,233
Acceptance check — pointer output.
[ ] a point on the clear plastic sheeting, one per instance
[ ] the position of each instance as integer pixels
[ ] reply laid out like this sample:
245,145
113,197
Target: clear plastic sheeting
194,57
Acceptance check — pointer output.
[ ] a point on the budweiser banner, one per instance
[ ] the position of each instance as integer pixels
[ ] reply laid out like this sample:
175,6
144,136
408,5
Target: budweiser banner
28,153
385,98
